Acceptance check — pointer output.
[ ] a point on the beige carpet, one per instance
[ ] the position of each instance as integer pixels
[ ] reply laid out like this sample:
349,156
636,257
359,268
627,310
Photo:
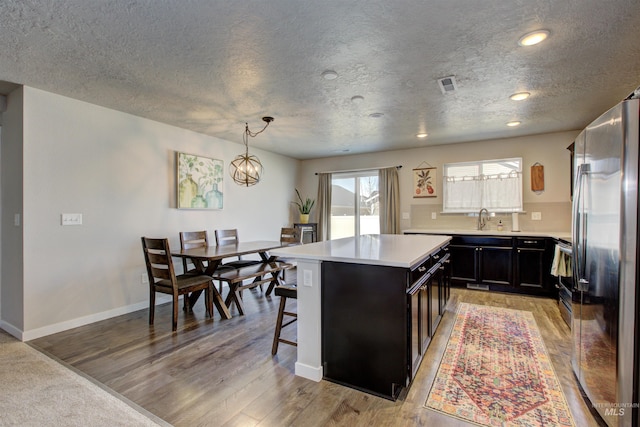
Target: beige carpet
36,390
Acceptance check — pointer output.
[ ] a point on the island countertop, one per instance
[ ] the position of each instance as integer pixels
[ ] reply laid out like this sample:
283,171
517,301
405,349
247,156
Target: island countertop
393,250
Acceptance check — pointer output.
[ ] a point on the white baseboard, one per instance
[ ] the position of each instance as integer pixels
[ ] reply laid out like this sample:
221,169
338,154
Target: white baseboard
11,330
32,334
309,372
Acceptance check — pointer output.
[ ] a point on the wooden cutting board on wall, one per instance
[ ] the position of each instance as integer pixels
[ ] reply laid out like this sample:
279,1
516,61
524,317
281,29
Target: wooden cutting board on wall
537,177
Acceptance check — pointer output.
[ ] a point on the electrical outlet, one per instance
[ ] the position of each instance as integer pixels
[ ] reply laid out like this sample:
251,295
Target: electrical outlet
536,216
405,215
433,215
144,279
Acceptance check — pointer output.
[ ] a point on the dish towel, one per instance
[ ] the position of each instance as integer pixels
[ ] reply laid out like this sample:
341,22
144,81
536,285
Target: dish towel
561,265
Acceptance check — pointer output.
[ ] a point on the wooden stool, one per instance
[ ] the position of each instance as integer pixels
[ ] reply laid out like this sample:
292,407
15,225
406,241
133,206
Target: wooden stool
284,292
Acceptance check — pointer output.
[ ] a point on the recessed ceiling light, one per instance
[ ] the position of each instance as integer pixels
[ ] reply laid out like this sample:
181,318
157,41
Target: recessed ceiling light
514,123
534,37
519,96
376,115
329,75
422,135
357,99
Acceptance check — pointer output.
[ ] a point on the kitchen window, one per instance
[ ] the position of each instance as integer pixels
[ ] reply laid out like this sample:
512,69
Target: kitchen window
492,184
354,204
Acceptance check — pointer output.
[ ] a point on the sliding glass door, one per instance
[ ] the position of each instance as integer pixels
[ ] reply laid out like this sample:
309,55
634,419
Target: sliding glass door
354,204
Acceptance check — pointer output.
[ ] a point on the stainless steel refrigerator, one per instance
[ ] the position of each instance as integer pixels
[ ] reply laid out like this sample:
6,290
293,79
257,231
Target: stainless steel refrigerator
605,263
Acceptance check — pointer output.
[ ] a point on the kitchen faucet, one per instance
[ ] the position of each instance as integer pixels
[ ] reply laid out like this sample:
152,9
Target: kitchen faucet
481,222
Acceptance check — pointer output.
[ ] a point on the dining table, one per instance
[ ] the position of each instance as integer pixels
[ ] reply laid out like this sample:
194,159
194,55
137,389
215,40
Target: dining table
207,259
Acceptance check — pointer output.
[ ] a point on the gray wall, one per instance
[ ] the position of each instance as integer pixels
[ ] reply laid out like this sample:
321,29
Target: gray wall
12,298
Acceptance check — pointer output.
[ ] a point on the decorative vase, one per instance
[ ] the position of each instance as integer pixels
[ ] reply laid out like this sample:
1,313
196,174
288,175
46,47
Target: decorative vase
214,198
304,218
187,190
199,202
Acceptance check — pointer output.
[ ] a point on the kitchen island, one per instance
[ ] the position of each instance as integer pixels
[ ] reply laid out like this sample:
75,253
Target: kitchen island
367,307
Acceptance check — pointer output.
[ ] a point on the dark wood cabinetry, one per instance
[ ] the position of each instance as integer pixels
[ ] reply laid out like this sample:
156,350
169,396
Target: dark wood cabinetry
481,261
464,262
532,264
495,265
511,264
428,296
378,321
365,332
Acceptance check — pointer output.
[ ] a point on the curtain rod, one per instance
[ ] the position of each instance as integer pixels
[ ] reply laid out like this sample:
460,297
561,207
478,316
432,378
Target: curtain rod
361,170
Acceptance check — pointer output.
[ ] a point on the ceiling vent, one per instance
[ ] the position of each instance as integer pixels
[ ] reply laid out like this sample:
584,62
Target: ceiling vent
448,84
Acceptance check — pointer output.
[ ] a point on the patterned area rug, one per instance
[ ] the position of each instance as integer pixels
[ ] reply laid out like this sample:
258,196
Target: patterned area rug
496,372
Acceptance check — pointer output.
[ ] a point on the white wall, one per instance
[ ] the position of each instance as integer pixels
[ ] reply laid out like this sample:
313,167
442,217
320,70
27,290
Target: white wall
548,149
117,170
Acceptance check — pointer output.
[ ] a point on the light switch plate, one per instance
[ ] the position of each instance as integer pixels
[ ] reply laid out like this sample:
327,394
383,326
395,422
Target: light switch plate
306,280
71,219
405,215
536,216
434,215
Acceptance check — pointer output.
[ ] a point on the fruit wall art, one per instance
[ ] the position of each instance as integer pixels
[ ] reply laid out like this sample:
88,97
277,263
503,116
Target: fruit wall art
424,182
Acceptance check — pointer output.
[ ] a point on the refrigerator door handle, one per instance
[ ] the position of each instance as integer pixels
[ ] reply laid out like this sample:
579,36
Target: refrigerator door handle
578,224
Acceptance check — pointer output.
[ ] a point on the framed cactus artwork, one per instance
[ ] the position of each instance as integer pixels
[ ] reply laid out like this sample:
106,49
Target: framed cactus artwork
424,182
199,182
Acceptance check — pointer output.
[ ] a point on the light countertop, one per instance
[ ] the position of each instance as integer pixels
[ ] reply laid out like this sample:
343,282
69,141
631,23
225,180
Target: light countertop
565,235
394,250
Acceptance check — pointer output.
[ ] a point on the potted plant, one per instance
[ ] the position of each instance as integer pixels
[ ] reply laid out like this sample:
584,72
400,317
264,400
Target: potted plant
304,206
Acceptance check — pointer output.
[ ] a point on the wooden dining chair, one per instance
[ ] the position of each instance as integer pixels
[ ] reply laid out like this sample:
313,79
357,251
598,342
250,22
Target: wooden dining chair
290,236
163,279
230,237
190,240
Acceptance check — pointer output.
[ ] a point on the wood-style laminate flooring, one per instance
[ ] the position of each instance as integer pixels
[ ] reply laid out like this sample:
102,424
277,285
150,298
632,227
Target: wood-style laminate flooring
221,372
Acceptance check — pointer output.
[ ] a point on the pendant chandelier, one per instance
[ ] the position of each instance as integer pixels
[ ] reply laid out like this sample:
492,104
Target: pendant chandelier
246,169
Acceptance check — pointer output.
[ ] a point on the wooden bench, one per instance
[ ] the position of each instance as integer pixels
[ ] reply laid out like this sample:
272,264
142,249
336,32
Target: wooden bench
266,272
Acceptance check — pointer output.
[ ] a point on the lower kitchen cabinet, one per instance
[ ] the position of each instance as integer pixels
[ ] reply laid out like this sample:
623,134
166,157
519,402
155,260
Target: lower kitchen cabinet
420,327
481,261
495,265
464,262
508,264
533,262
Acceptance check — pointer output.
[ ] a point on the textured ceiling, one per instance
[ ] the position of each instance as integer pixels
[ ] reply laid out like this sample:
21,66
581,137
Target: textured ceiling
210,66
